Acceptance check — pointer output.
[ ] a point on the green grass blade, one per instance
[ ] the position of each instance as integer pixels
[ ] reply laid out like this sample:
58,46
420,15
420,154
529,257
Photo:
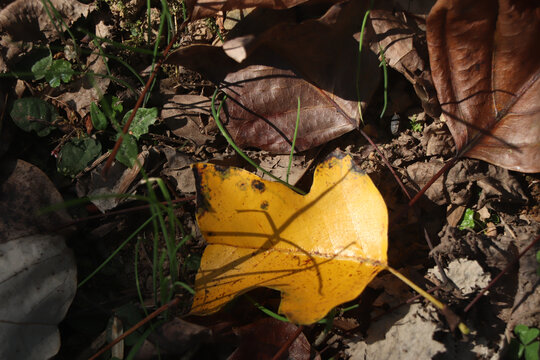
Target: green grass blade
385,74
294,140
225,134
140,228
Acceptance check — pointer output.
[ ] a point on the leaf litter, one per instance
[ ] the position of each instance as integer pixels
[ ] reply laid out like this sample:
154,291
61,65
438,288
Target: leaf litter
302,48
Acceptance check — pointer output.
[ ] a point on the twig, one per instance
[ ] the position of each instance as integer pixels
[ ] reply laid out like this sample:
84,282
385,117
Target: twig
288,344
504,271
134,328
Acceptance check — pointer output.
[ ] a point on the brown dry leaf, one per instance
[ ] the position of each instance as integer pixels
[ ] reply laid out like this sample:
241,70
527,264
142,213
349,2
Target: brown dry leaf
314,60
265,337
181,114
319,250
485,63
38,275
27,21
81,93
175,337
404,46
206,8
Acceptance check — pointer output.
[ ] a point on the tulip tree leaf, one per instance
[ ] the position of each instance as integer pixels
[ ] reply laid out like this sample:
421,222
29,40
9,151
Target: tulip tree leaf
319,249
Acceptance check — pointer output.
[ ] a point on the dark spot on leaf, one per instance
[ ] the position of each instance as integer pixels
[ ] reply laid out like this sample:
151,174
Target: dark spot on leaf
258,185
203,194
264,205
241,185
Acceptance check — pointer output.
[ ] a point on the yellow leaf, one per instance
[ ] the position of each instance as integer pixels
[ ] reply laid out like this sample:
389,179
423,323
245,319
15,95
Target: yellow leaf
320,249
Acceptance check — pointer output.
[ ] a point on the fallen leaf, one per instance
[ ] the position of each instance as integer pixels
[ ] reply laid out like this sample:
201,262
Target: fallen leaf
81,93
319,250
175,337
206,8
265,337
27,21
485,64
38,277
285,62
181,114
405,50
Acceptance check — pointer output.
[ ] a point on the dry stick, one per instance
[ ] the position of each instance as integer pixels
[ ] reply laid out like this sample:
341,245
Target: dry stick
134,328
504,271
289,342
117,212
140,101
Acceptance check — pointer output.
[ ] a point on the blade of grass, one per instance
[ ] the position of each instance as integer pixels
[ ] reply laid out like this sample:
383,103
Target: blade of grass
385,76
116,251
293,140
359,65
226,135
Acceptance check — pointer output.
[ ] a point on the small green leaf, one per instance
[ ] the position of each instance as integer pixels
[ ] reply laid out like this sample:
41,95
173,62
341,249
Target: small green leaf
127,154
143,119
532,351
76,155
40,68
468,220
33,114
99,120
526,334
60,70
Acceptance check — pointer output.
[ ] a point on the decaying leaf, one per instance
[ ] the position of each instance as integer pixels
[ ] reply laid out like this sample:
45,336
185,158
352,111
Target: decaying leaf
28,21
38,276
485,63
88,89
314,60
181,114
319,250
204,8
404,46
265,337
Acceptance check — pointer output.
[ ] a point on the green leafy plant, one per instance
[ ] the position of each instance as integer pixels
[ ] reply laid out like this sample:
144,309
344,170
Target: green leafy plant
471,220
33,114
529,345
76,155
416,126
53,71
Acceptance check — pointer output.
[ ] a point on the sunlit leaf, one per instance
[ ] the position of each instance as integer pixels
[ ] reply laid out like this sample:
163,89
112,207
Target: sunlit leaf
485,62
142,120
319,250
